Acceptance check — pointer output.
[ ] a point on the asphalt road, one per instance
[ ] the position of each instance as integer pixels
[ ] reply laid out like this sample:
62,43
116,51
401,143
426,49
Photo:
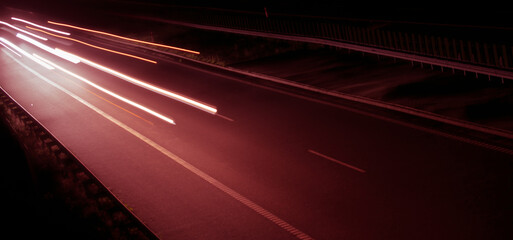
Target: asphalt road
269,165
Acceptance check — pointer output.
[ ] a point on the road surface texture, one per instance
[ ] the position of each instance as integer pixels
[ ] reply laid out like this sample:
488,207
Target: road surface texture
269,164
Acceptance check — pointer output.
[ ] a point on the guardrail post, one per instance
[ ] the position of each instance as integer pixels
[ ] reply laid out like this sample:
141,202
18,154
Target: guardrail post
447,48
347,33
421,49
399,39
462,51
428,48
511,50
433,45
455,48
504,56
365,37
337,31
355,34
496,56
486,53
440,47
390,40
478,53
379,41
414,43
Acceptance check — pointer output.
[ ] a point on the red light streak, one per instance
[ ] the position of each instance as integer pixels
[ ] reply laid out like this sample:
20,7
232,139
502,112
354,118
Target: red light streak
94,46
124,38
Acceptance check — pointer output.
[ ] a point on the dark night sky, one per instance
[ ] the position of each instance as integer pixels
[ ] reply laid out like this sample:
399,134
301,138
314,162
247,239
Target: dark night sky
490,13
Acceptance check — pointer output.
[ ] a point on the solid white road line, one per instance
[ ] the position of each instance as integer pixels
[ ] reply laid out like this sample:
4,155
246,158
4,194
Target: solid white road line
230,192
336,161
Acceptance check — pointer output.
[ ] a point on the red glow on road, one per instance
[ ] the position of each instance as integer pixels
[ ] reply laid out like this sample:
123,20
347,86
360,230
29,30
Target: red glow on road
94,46
39,26
124,38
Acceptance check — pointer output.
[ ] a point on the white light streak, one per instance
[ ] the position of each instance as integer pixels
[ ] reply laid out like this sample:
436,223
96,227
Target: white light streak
183,99
49,49
39,26
156,114
26,53
66,55
10,49
23,31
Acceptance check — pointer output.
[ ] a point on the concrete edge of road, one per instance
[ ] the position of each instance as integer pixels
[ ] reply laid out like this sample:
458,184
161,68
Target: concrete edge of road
354,98
70,180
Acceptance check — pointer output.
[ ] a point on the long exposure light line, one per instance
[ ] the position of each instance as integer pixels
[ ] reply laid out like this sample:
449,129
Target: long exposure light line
10,49
145,85
23,31
25,53
124,38
94,46
156,114
49,49
216,183
39,26
161,91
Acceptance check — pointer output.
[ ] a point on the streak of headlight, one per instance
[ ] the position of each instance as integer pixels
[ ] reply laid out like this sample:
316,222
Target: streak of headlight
158,90
39,26
90,45
49,49
23,31
125,38
10,49
158,115
164,92
23,52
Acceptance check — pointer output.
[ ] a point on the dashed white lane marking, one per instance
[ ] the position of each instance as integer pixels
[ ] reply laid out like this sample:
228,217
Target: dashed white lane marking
232,193
336,161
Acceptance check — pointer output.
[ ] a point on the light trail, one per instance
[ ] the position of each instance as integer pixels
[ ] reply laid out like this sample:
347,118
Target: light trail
39,26
10,49
61,54
94,46
125,38
23,31
204,176
130,102
25,53
169,94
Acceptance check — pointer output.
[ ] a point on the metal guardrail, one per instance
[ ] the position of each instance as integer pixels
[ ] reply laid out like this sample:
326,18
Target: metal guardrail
437,46
69,180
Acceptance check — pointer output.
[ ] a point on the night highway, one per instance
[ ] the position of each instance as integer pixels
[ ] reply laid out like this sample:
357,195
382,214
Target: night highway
202,154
